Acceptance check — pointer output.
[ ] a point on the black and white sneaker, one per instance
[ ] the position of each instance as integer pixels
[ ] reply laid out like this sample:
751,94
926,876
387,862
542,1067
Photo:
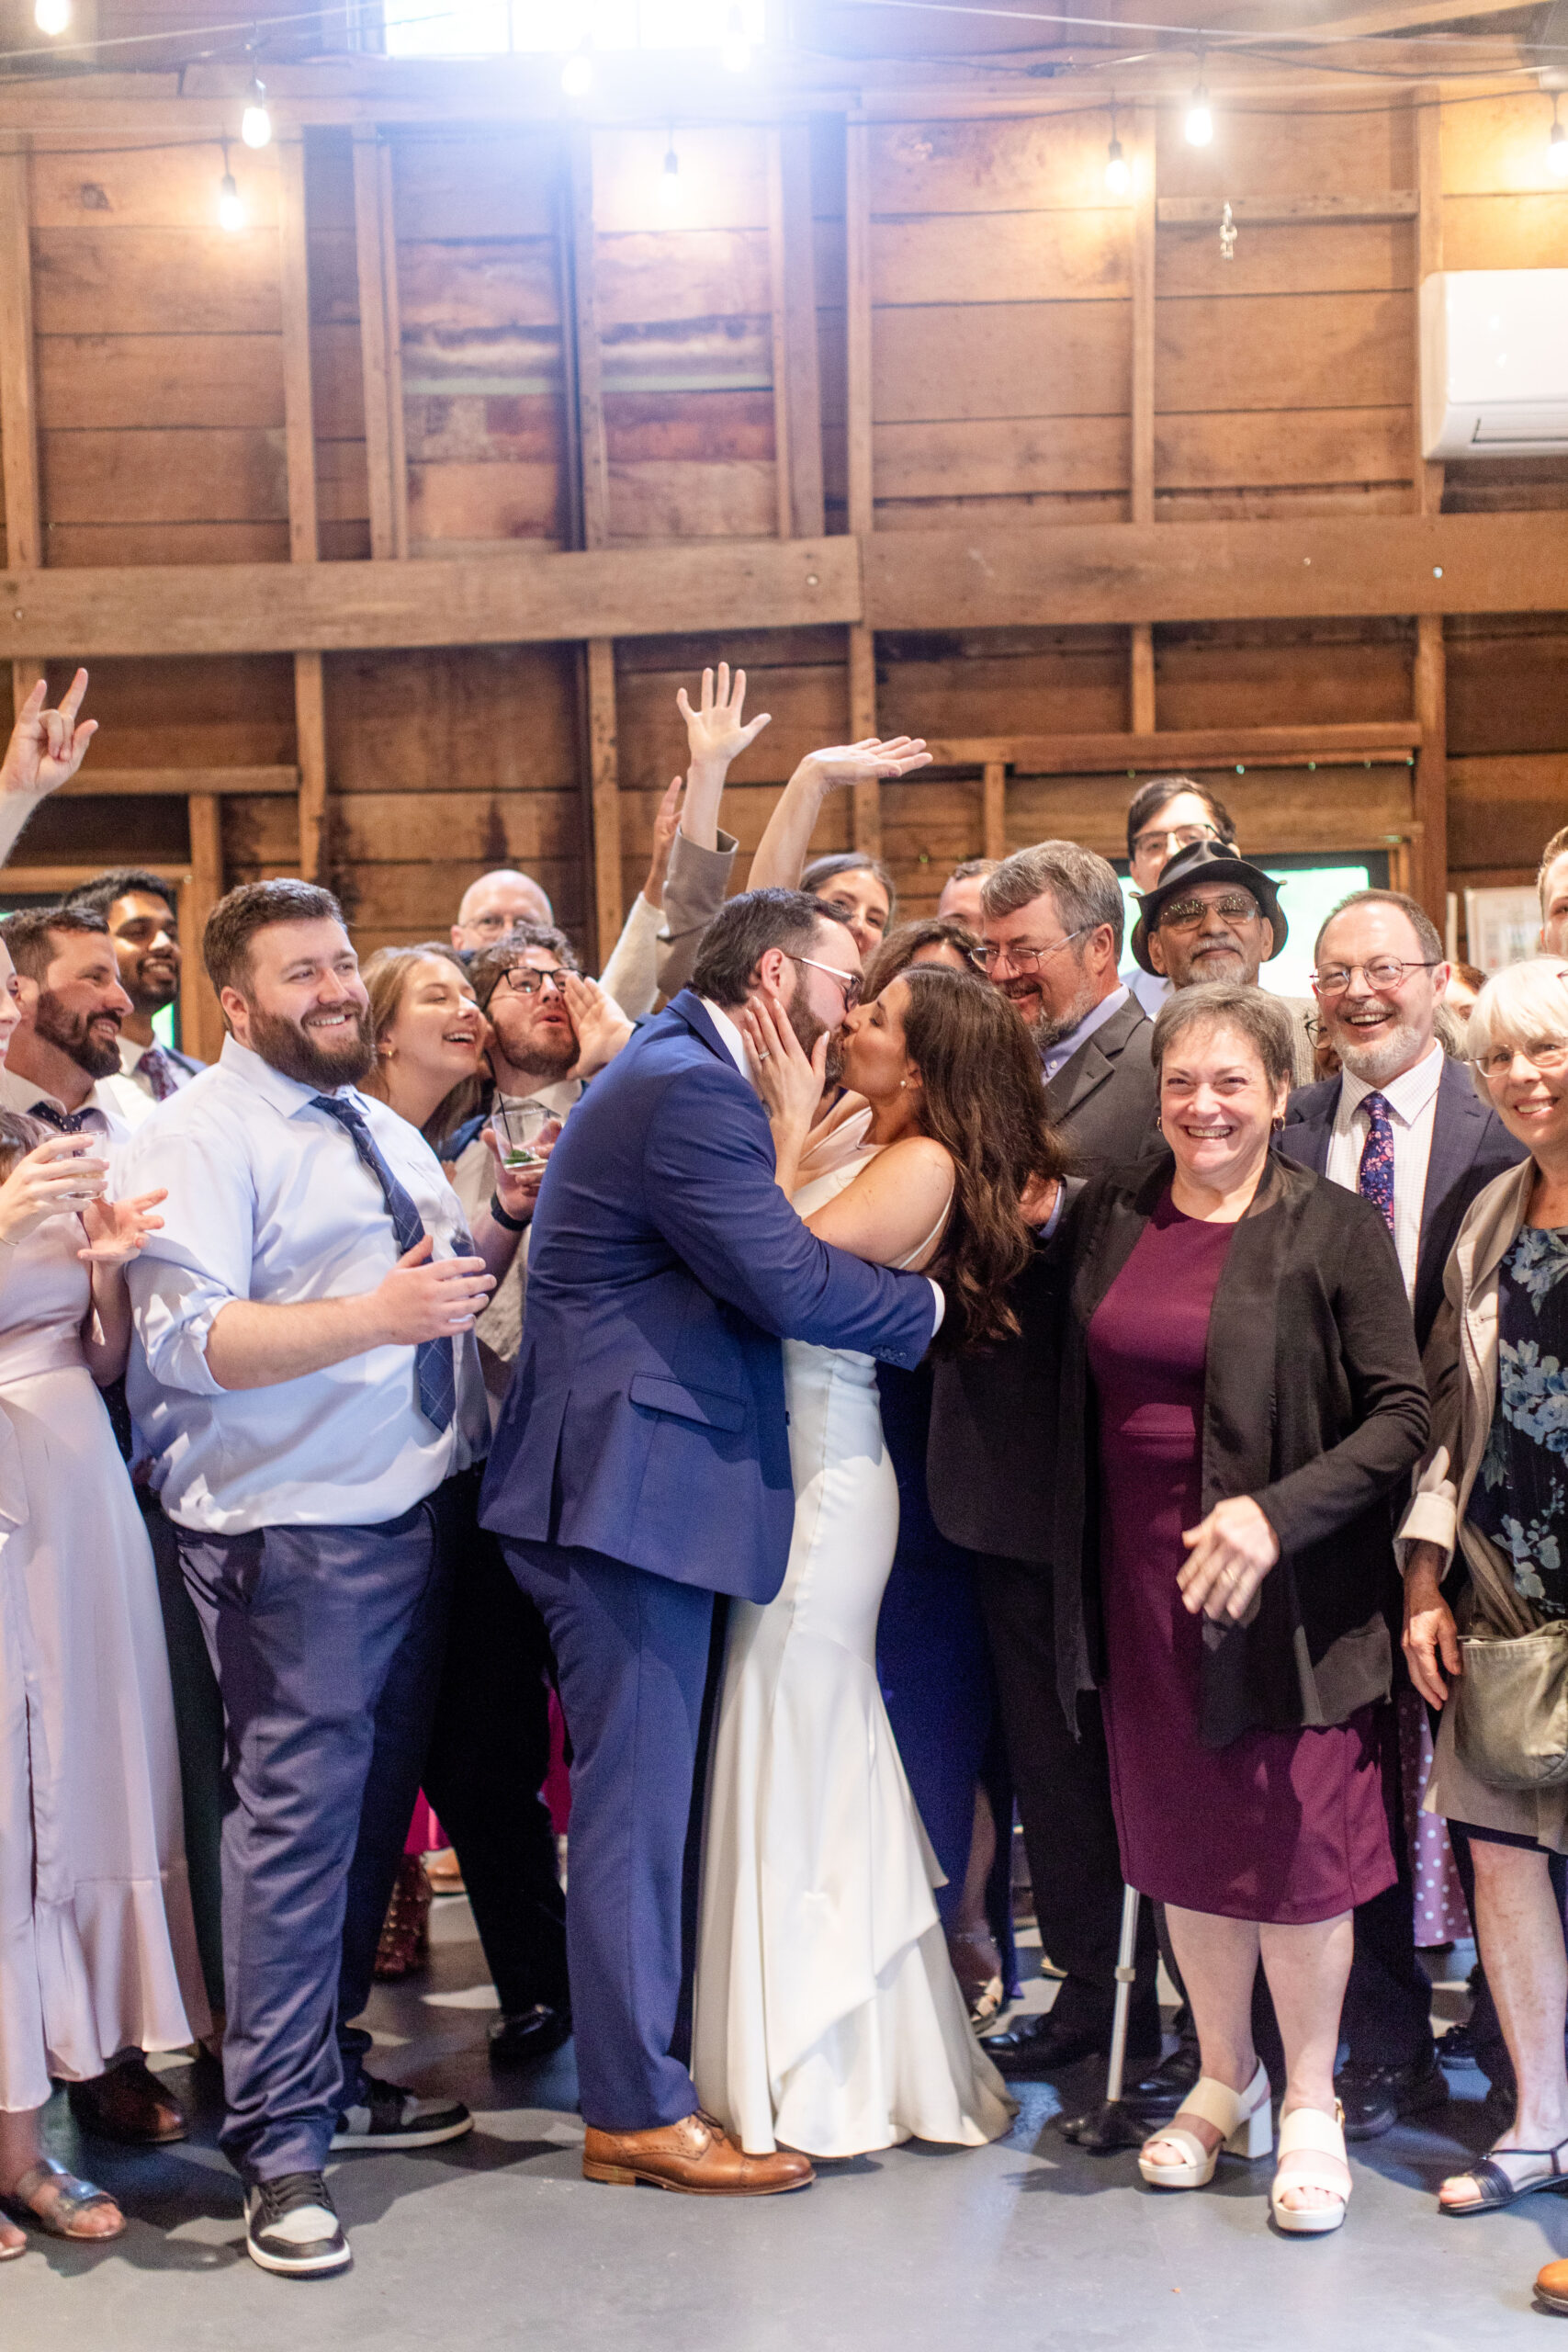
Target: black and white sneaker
388,2117
291,2226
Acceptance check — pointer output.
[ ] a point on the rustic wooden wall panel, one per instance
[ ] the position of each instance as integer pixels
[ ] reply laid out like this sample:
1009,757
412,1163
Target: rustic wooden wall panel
479,285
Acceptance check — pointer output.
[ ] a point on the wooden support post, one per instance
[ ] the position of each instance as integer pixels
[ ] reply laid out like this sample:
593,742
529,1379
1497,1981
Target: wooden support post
604,762
374,351
801,371
1429,861
310,733
779,301
1141,500
392,313
299,437
995,811
201,1021
590,388
18,394
862,499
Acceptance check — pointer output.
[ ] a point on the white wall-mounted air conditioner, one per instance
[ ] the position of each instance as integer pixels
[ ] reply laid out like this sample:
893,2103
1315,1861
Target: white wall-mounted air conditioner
1494,363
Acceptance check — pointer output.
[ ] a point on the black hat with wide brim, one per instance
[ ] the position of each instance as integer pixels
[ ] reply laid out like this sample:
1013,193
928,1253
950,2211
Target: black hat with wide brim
1206,862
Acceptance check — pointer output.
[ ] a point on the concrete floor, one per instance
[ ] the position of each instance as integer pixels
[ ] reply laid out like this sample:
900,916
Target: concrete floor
496,2240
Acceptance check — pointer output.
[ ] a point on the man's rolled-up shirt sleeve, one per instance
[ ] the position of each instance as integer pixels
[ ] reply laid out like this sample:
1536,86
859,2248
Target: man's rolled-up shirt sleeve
200,1263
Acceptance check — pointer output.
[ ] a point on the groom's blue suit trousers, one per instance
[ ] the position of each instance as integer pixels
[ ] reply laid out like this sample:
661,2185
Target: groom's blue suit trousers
632,1657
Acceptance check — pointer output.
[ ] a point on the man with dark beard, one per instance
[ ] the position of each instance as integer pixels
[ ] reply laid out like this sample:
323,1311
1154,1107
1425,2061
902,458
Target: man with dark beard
305,1373
138,907
1052,920
63,1063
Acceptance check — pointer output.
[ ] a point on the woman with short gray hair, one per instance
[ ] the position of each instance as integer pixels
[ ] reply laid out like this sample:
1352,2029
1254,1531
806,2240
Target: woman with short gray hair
1241,1396
1492,1500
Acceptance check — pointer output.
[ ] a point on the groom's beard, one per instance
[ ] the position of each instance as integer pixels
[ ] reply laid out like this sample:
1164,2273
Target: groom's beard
807,1028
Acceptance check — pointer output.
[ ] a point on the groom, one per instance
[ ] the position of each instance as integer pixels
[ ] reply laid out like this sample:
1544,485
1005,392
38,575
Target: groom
641,1464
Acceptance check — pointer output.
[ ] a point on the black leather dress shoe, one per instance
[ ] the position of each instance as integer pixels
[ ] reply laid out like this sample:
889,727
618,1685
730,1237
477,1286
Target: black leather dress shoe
1377,2098
1040,2043
523,2039
1157,2096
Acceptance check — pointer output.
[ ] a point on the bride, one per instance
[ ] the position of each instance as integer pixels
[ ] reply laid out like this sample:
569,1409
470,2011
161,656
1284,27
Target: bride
826,2014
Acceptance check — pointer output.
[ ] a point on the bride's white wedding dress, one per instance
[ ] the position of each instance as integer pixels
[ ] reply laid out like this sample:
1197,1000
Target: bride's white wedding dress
827,2017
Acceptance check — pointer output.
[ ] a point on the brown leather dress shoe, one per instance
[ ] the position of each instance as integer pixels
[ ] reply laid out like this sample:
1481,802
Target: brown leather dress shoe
1551,2288
695,2157
129,2104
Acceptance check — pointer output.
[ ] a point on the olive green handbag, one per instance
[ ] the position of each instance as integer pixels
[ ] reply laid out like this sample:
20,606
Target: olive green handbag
1511,1707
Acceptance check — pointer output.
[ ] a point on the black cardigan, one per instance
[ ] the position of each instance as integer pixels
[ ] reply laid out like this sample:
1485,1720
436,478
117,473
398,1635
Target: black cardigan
1313,1405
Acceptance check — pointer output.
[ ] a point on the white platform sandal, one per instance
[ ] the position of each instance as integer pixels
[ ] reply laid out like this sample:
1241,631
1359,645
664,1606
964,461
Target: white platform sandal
1243,2119
1307,2131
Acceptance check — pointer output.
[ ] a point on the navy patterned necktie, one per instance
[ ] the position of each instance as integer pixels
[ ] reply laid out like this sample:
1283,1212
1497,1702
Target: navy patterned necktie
433,1361
1374,1179
65,1122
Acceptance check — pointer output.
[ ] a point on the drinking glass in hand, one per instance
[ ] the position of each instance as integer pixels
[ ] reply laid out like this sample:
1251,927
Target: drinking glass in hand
517,1127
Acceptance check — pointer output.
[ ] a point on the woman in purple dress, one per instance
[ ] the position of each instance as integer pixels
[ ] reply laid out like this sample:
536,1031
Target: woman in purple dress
1241,1396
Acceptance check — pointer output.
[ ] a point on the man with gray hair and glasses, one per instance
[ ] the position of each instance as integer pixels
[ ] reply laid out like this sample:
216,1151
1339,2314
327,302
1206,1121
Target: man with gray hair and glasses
1403,1124
1052,919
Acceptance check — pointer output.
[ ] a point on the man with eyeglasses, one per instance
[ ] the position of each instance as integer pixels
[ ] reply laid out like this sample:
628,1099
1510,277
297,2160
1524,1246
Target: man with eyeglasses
1403,1124
1052,917
1212,915
1165,816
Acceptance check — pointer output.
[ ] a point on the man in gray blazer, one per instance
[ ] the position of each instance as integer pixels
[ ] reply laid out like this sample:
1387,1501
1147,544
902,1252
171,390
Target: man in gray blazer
1052,920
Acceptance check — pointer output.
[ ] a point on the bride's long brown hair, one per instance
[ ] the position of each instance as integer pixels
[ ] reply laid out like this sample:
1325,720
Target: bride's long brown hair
983,1099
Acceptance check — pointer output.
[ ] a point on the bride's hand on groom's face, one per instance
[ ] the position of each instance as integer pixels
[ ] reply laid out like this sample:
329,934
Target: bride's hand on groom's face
789,1081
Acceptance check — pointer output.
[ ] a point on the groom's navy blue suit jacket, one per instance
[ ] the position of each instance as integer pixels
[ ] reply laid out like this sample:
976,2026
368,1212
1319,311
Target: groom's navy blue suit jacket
646,1414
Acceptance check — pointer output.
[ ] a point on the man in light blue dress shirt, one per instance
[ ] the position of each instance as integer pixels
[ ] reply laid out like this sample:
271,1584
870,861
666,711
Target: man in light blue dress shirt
305,1373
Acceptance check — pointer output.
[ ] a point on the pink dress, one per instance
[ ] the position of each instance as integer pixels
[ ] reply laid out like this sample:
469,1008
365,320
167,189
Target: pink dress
98,1950
1283,1827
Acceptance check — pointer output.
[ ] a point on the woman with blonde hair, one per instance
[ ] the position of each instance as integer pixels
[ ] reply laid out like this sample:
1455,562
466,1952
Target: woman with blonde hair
429,1037
1491,1506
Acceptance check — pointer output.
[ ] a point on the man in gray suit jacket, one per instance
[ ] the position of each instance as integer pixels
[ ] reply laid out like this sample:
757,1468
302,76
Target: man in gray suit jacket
1052,919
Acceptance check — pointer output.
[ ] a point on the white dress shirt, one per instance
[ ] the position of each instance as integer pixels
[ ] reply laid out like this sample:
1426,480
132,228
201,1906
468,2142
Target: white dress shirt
182,1068
1413,1103
1151,988
269,1201
113,1108
1059,1055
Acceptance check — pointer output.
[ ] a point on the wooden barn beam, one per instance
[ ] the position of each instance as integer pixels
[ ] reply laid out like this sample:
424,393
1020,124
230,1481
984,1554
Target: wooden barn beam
201,1019
603,795
1429,849
380,370
1140,500
1288,212
802,373
18,389
141,784
866,820
1373,743
300,444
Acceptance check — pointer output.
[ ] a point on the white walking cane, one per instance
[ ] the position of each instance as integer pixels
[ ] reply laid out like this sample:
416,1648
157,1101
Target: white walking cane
1111,2128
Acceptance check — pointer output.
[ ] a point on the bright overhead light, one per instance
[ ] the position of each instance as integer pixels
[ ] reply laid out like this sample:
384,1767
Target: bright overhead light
255,123
1556,145
577,74
736,50
1199,119
51,16
231,204
670,179
1118,171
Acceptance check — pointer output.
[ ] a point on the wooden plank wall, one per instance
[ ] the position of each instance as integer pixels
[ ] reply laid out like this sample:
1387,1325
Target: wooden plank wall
1001,327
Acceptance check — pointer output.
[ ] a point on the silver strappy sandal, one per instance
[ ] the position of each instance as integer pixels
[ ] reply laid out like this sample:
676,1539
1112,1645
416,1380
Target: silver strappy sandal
71,2199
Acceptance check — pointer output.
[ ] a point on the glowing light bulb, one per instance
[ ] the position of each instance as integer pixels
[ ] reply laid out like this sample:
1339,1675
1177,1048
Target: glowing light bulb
577,74
735,52
1199,119
670,181
255,123
1557,152
230,205
1118,171
51,16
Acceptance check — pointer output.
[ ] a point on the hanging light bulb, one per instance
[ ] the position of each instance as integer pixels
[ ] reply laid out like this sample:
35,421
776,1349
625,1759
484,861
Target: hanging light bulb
1118,171
230,205
1199,119
670,178
1557,147
255,123
735,54
577,74
51,16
